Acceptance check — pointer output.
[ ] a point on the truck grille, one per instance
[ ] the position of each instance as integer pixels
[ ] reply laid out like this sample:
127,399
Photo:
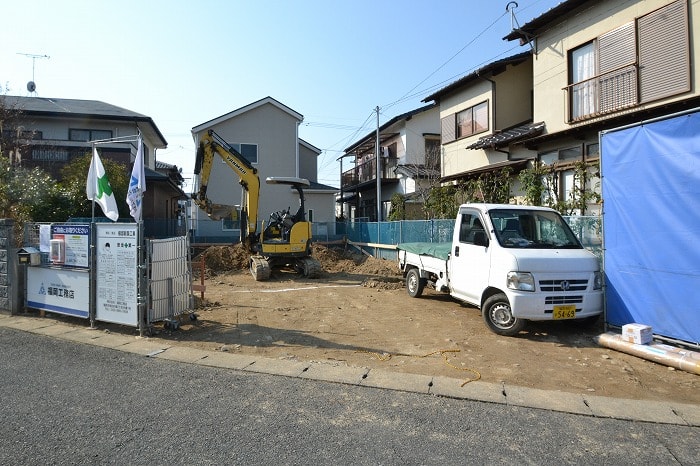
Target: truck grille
551,300
563,285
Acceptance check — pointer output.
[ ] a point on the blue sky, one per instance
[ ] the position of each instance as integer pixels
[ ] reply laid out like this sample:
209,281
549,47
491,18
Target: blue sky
184,63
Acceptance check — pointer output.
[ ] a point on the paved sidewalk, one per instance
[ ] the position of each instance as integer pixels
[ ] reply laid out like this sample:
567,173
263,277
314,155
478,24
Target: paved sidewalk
583,404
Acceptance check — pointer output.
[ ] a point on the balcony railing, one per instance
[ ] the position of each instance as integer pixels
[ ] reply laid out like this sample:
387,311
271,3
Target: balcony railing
605,93
367,171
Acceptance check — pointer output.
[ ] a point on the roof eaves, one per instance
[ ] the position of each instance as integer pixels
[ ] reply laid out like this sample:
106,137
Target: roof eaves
388,124
537,25
489,68
246,108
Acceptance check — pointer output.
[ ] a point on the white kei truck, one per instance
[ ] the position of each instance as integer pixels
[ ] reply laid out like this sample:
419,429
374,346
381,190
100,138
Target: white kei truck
515,263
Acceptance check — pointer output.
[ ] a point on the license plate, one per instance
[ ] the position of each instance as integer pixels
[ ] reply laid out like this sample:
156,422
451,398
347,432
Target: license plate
564,312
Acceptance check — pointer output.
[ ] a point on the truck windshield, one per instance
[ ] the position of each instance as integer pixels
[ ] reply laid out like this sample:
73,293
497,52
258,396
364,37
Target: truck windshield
535,229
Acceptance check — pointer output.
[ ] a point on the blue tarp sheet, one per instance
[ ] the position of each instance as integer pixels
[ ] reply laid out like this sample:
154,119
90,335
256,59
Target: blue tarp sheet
651,225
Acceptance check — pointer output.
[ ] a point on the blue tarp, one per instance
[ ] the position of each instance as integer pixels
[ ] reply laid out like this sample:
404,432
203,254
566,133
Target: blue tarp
651,225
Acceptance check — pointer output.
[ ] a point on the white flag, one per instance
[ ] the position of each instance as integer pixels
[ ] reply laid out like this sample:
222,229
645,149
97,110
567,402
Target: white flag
137,185
98,188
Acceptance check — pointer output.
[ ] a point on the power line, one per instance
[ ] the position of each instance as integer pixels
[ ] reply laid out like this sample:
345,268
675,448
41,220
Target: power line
400,99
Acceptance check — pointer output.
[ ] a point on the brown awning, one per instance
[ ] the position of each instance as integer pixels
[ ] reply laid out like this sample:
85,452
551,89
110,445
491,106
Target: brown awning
504,138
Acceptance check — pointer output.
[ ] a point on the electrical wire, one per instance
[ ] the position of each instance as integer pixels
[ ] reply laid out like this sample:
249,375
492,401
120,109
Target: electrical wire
400,99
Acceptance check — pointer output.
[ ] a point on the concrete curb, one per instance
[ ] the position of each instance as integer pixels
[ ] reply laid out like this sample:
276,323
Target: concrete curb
582,404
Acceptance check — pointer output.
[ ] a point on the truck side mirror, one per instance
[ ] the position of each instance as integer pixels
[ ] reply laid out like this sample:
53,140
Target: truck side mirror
480,239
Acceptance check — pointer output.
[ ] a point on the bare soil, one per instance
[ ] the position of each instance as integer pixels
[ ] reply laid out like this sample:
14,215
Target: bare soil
358,313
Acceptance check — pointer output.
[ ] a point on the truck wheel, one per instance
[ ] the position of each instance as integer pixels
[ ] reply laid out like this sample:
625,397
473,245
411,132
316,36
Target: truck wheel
414,284
499,317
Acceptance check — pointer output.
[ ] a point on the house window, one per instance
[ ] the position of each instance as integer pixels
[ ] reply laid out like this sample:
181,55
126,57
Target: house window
641,61
248,151
310,215
583,92
472,120
86,135
432,153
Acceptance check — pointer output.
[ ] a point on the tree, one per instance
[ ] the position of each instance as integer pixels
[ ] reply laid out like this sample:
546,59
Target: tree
492,187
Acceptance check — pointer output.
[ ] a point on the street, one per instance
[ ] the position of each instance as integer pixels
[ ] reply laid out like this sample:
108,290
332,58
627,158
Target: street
71,403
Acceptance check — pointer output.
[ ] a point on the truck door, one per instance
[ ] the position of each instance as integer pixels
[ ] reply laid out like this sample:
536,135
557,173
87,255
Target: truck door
469,262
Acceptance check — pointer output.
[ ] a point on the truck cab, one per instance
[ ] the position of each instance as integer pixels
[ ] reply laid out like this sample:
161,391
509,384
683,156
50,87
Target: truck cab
520,263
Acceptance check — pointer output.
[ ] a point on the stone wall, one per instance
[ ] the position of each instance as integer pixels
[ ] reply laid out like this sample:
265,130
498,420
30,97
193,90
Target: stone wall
9,287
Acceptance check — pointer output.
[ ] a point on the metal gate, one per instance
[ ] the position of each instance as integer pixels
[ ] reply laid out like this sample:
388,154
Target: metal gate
170,278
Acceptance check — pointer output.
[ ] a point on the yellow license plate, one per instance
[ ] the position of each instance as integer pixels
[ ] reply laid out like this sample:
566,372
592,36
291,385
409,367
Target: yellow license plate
564,312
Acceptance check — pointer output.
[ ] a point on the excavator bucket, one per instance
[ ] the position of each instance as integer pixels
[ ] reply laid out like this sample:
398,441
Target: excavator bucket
219,211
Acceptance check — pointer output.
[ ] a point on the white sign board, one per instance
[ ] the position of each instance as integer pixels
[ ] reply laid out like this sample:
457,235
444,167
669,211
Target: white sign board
63,291
116,273
77,243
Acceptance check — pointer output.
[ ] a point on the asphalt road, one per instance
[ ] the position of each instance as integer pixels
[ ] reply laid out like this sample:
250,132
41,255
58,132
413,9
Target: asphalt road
71,403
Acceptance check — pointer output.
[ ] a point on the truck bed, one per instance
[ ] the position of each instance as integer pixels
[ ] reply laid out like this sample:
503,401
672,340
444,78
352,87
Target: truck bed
439,250
429,258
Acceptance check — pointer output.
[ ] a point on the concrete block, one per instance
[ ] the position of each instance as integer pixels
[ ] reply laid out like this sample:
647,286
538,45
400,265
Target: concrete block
183,354
476,390
330,372
397,381
277,367
546,399
227,360
636,410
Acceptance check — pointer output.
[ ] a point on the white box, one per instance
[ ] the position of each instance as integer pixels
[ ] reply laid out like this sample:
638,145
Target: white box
639,334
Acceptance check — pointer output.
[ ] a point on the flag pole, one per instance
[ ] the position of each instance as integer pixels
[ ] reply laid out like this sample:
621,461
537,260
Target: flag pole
92,170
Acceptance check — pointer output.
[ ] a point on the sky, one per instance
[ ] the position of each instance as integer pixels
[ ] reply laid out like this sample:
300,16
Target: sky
184,63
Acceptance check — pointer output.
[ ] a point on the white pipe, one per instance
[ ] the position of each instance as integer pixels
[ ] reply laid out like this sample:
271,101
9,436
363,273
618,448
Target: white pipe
679,358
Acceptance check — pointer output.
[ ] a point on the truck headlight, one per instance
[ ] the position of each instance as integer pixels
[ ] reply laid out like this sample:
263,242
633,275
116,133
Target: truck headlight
597,281
522,281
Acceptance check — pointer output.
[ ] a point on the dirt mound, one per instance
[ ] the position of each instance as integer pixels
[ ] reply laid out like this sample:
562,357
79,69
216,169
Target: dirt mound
334,260
226,258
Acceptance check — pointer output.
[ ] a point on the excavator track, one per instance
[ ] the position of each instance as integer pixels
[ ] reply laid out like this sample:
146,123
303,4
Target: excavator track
259,268
311,268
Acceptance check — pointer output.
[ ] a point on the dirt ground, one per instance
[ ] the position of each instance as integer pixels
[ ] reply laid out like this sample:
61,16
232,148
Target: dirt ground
358,313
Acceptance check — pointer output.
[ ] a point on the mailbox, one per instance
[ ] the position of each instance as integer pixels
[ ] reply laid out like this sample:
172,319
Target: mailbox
29,256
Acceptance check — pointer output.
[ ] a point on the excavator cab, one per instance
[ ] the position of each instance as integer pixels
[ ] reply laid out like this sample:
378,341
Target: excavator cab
285,240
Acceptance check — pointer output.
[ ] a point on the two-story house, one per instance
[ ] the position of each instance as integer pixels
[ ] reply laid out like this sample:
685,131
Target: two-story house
482,116
52,132
409,161
604,64
266,132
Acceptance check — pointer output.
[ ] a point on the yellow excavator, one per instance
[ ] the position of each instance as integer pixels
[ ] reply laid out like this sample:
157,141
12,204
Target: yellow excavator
285,242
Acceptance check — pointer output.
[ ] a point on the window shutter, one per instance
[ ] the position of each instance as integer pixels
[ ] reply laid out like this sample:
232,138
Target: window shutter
617,53
447,125
664,56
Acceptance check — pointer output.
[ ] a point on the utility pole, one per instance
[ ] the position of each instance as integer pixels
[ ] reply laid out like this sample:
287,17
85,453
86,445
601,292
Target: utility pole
377,151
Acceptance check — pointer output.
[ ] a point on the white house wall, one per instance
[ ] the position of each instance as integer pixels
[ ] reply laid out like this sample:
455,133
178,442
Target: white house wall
275,134
427,122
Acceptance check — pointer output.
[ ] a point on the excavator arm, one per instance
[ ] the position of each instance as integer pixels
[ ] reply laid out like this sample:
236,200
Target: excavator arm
210,145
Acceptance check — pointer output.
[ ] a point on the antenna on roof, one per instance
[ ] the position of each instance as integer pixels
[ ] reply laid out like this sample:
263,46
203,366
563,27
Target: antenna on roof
31,85
514,26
